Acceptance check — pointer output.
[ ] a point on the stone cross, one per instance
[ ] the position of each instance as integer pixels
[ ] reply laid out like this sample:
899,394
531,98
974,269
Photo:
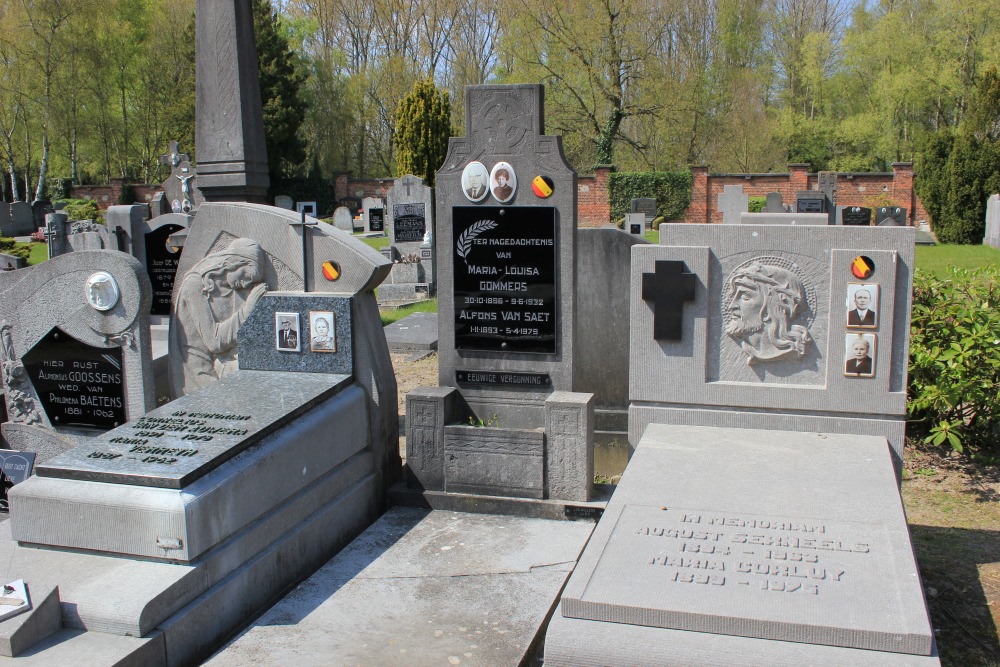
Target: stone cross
668,288
174,157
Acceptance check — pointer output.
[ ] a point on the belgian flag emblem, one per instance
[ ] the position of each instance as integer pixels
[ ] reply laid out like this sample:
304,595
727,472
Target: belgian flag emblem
331,271
862,267
542,186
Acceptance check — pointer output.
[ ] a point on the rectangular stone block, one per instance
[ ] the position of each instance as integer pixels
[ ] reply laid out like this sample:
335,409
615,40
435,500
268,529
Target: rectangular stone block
784,219
494,461
788,536
569,446
428,409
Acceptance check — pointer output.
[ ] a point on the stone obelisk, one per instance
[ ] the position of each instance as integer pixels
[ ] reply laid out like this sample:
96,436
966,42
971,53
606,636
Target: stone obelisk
232,156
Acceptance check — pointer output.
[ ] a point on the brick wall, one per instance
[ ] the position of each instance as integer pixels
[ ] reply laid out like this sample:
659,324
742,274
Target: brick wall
593,206
853,189
107,195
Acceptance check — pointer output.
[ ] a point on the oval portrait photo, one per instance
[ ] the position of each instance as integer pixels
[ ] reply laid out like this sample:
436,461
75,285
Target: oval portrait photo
475,180
503,182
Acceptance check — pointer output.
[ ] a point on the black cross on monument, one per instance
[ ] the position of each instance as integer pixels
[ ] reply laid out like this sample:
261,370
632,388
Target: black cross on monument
668,288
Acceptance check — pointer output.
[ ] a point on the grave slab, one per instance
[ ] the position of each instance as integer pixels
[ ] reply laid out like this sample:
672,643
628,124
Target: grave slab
419,589
417,331
789,536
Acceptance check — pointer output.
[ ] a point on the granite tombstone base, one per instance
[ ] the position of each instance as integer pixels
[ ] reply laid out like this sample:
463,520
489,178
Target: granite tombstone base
789,547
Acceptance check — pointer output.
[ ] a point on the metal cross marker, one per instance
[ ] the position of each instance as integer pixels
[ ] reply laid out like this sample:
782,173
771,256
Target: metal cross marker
305,227
668,288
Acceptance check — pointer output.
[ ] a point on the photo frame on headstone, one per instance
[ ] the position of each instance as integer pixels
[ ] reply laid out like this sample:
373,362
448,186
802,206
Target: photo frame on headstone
322,331
475,177
862,305
287,336
503,182
859,354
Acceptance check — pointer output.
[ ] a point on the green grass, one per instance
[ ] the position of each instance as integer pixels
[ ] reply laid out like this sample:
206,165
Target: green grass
39,253
390,316
653,236
939,259
375,242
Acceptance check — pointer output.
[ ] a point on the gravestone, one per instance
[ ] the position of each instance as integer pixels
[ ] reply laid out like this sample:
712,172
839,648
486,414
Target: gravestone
646,206
285,202
342,219
827,184
811,201
231,150
369,204
65,236
635,223
732,201
376,221
890,216
506,320
855,216
180,190
39,209
992,236
79,353
22,218
410,222
11,263
780,534
6,222
309,208
147,240
15,468
773,203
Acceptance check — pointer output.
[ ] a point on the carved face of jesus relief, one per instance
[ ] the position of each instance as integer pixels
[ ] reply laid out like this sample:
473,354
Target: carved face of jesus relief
762,299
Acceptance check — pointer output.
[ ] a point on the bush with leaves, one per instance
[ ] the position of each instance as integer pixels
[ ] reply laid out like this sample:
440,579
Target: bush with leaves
12,247
82,209
955,360
671,189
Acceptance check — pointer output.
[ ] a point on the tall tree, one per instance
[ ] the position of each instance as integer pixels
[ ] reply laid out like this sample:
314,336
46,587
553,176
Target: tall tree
282,77
423,125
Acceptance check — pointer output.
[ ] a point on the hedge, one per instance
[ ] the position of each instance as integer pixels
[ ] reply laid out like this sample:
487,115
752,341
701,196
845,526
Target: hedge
671,189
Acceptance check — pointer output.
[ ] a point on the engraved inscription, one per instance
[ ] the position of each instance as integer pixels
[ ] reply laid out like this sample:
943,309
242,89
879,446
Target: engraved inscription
779,555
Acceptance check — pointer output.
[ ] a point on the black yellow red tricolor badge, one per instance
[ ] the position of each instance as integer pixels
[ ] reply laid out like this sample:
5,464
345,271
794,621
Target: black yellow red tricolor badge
331,271
542,186
862,267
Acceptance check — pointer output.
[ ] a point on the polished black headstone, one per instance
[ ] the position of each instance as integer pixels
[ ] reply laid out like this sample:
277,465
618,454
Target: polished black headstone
161,265
505,278
668,288
79,385
376,220
858,216
409,223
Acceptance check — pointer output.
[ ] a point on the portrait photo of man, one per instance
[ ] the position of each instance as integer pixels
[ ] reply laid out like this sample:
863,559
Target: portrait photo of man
474,179
862,306
287,331
321,329
859,355
503,182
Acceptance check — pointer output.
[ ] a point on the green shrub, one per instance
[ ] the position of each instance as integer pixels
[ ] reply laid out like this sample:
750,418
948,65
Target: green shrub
82,209
756,204
955,360
672,190
12,247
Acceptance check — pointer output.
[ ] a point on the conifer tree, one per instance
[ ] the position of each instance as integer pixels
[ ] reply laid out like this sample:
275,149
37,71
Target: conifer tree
423,125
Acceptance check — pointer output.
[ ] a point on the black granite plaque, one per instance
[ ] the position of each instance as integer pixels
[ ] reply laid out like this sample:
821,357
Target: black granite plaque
503,379
161,265
15,467
408,223
815,204
504,262
646,206
376,220
894,214
79,385
857,216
